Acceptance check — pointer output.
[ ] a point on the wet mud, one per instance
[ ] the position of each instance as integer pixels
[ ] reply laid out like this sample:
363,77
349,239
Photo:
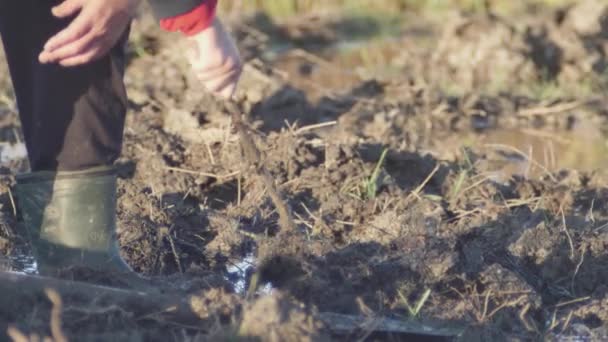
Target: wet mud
451,174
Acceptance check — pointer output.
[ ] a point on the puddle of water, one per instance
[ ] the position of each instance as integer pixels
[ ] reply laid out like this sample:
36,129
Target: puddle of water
377,58
11,152
340,68
238,276
238,273
25,264
533,153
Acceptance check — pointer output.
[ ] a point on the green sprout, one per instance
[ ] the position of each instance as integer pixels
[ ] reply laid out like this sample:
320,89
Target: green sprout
415,310
372,185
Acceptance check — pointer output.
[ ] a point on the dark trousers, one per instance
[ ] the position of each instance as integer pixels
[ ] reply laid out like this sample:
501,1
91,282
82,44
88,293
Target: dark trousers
72,118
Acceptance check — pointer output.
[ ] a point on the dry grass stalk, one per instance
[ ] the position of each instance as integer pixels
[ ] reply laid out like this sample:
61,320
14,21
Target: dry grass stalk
57,334
203,174
525,155
550,110
56,331
417,191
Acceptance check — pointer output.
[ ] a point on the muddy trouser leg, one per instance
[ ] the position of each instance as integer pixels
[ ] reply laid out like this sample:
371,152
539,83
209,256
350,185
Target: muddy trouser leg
72,118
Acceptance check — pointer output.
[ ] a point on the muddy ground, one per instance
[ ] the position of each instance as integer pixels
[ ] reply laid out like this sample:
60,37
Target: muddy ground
488,211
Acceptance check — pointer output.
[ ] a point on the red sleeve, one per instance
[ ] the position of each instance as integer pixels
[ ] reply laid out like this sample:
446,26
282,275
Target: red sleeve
192,22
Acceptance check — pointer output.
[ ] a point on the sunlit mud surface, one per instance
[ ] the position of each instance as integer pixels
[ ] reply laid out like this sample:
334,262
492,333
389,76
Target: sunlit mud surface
449,172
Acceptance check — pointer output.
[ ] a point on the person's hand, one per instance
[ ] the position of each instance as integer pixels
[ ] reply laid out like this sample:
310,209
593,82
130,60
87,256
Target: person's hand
215,60
95,29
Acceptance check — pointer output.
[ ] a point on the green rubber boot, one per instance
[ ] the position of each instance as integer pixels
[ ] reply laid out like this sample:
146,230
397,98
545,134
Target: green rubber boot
71,221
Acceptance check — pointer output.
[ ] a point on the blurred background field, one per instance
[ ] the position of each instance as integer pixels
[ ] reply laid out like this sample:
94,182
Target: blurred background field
382,36
288,8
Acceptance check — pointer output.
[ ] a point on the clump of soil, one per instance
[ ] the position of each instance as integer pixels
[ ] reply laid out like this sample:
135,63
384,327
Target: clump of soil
488,50
276,317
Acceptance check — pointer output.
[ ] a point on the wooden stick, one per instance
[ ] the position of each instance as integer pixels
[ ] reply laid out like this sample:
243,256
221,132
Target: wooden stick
18,289
253,157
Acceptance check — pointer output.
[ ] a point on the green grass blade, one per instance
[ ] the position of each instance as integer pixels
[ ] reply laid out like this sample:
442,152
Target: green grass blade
372,183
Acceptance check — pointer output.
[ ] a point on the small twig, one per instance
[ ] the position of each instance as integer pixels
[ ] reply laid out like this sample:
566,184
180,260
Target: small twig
205,174
474,185
565,228
529,158
465,213
346,223
555,109
16,334
186,194
554,322
309,212
590,215
567,322
252,155
315,126
504,305
290,127
310,227
595,230
12,199
303,221
210,152
512,203
486,303
56,331
173,249
573,301
578,267
416,191
524,320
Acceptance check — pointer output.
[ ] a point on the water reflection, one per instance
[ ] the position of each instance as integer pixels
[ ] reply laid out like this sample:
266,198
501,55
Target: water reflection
532,153
21,263
239,274
11,152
